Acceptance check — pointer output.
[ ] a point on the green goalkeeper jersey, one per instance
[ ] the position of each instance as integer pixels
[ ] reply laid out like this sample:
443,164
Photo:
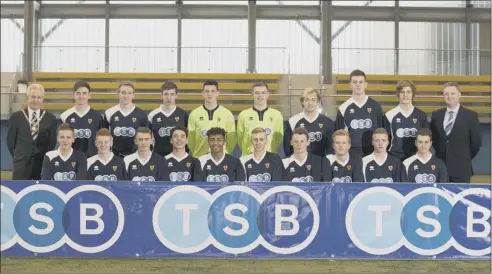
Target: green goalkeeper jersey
270,119
201,120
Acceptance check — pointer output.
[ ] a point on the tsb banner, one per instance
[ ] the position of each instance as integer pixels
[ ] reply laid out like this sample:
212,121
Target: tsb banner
255,220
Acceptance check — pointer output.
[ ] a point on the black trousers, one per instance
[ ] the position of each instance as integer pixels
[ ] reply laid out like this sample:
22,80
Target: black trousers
28,168
461,180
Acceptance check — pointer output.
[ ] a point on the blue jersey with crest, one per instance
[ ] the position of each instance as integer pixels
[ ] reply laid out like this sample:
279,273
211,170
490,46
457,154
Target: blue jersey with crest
85,126
422,171
389,171
111,170
70,168
403,129
123,127
320,130
360,120
162,123
145,170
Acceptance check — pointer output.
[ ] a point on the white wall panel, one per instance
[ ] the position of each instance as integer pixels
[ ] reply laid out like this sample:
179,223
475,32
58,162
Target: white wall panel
363,45
283,46
77,45
12,45
143,45
215,46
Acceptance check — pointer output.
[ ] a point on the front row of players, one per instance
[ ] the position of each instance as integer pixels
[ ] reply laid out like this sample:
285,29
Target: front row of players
66,164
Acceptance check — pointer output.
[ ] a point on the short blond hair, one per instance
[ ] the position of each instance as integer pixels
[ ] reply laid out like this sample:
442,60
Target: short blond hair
380,131
341,132
258,130
307,92
34,87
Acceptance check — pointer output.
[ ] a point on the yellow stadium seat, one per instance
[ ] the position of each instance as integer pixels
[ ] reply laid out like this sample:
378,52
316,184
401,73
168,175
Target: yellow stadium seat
158,76
152,86
420,78
394,100
420,88
145,107
430,109
155,96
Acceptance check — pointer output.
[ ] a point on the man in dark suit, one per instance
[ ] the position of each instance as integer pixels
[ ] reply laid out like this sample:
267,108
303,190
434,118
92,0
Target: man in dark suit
31,133
456,135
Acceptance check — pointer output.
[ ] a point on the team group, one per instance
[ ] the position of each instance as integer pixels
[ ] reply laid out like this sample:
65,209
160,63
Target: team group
364,144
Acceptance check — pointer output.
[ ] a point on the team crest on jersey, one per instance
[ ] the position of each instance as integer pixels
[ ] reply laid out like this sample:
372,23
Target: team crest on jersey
433,167
225,168
320,125
176,118
267,165
134,119
390,168
115,168
308,167
89,121
414,120
73,164
188,164
251,118
152,167
349,167
369,110
201,118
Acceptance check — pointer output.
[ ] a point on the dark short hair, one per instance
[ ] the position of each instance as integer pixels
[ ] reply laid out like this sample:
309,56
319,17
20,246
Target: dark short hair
64,126
300,131
357,72
211,83
168,86
424,132
81,84
143,130
216,131
260,84
182,128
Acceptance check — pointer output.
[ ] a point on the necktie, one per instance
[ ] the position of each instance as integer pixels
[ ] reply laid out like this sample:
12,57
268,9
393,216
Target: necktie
449,125
34,126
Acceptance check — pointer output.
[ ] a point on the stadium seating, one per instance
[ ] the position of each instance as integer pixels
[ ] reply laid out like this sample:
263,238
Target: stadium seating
475,91
235,89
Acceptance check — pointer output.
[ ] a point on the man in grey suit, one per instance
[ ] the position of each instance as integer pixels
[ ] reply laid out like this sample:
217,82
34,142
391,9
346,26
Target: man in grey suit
456,135
31,133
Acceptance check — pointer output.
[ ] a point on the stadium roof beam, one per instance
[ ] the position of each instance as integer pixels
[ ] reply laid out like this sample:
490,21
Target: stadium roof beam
269,12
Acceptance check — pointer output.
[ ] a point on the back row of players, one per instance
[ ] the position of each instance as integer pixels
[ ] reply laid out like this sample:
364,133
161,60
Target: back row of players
360,116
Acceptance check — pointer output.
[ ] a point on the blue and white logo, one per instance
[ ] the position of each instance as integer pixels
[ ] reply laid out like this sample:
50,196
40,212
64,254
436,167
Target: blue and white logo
427,221
236,219
41,218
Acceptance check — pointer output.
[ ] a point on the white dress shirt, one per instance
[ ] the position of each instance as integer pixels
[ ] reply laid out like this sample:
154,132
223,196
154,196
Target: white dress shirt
31,111
446,116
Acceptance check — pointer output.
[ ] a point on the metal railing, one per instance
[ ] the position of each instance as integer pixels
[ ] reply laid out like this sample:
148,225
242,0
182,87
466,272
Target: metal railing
412,61
268,60
158,59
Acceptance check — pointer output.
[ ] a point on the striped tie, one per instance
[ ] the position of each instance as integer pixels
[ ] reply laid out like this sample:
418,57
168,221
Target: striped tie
449,125
34,125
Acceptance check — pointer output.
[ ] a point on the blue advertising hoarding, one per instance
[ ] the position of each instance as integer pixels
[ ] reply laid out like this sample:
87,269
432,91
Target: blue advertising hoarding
250,220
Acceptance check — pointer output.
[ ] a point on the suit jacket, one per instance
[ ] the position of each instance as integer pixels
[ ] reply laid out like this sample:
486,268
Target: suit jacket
19,140
463,143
